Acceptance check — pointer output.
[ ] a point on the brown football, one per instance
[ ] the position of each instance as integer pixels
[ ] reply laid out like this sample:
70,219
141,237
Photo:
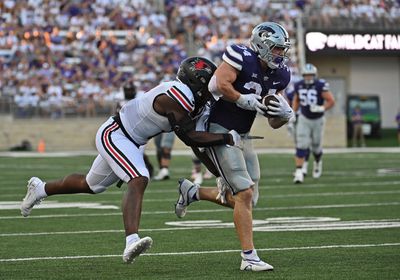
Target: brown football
265,100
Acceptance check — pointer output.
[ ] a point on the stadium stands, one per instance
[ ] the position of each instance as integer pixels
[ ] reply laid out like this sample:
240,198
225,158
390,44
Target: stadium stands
70,58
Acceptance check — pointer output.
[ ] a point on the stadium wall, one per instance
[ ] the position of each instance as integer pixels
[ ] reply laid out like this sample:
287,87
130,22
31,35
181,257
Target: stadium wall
365,75
78,134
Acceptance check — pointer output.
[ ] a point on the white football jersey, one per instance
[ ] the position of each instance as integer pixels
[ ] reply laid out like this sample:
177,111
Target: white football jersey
141,121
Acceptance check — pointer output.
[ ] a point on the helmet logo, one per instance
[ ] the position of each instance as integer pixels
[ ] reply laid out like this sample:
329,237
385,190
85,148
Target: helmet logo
201,65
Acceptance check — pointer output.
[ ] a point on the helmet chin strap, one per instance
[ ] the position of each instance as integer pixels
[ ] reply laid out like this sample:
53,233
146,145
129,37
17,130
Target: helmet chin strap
272,65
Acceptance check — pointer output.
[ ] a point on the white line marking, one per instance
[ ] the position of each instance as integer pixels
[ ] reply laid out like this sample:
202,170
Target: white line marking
188,152
339,184
335,246
303,195
53,204
268,186
329,194
259,225
209,210
265,187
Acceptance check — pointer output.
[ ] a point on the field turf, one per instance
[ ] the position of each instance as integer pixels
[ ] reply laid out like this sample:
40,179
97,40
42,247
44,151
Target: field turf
345,225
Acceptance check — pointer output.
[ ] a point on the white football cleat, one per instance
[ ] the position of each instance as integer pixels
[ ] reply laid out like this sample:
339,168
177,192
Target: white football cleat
136,248
186,191
317,169
163,174
304,168
31,198
298,176
254,265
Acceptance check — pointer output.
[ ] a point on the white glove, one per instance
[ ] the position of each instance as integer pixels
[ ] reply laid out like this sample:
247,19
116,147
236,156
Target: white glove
237,139
250,102
280,109
293,119
222,187
317,108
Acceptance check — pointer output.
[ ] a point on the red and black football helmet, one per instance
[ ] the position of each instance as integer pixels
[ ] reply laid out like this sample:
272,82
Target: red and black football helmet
196,72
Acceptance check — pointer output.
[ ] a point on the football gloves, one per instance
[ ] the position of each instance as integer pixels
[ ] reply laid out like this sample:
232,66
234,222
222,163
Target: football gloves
317,108
280,108
291,126
251,102
237,139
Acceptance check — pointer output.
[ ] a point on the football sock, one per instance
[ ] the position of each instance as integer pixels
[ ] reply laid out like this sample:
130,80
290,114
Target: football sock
317,157
40,191
132,238
251,254
194,194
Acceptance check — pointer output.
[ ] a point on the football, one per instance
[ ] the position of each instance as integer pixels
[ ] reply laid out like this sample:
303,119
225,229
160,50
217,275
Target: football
265,100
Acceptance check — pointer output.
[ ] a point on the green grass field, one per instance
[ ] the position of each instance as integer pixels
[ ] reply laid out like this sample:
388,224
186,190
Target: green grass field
346,225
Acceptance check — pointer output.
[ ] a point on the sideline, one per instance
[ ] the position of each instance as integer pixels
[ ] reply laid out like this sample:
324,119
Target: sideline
281,208
271,225
187,152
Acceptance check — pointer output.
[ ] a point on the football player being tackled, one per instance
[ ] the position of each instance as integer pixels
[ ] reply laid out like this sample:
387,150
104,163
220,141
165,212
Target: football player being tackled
245,75
120,142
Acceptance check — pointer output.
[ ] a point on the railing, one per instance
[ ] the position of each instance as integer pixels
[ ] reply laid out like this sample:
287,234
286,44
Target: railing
62,110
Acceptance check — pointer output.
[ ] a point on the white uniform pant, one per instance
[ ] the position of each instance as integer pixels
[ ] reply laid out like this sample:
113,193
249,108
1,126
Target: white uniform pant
119,158
309,134
238,167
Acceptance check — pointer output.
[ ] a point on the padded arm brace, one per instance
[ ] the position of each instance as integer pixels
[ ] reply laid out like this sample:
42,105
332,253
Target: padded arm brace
185,130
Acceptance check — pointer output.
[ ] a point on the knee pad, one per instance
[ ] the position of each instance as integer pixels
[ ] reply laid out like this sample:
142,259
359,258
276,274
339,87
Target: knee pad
97,188
99,183
316,149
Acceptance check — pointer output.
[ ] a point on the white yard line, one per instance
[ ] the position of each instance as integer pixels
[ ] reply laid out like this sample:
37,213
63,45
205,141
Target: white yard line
188,152
263,196
335,246
381,204
267,186
259,225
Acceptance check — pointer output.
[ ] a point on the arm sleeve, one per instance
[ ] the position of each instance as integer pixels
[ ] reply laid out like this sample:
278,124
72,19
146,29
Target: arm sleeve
185,130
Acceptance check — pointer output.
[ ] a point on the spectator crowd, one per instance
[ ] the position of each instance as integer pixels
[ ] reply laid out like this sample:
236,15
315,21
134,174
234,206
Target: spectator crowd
60,58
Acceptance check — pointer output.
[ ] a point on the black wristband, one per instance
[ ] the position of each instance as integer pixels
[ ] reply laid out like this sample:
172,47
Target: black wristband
228,139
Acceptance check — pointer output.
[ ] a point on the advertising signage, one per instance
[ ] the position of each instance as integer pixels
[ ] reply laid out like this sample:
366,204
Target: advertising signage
345,43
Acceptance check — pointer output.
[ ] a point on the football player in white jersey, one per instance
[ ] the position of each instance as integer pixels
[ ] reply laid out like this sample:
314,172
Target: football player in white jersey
120,142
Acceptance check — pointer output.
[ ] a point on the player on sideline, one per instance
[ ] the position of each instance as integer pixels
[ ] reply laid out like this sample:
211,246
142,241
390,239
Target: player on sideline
164,143
313,97
121,140
245,75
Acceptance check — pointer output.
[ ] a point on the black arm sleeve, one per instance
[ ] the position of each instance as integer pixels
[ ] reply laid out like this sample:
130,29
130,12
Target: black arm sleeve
185,130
